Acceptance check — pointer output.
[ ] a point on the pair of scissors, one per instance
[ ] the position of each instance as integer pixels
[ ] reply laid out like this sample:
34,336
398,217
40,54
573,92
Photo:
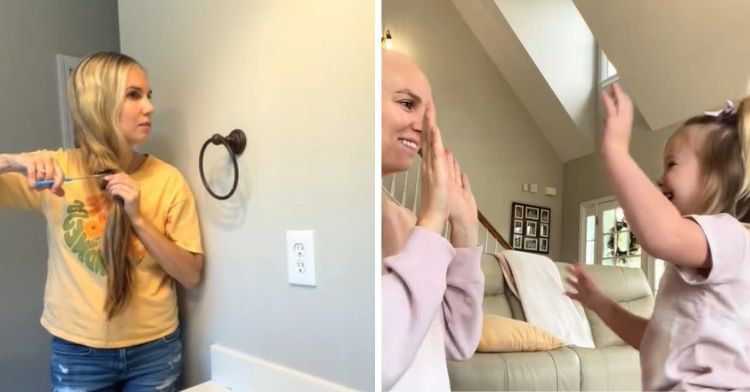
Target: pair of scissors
44,184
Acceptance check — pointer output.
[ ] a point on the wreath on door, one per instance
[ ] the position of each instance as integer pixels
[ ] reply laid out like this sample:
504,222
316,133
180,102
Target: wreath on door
620,248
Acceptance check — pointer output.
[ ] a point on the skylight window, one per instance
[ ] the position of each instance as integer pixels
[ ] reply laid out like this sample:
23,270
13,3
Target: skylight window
607,71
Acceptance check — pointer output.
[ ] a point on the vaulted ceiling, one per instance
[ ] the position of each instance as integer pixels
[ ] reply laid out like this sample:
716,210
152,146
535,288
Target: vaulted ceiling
675,57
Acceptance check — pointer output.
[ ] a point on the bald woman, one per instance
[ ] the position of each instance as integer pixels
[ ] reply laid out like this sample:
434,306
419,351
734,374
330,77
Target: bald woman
432,288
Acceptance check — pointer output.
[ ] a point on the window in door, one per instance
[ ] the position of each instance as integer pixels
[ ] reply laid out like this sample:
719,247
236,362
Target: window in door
606,237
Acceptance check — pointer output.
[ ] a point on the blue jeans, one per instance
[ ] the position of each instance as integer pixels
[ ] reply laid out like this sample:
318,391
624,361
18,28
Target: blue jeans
152,366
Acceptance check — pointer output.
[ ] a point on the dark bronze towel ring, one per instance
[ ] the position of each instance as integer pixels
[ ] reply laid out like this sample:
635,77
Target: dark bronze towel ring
235,144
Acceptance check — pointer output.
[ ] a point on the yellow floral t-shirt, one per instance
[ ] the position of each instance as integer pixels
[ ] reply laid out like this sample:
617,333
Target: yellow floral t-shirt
76,280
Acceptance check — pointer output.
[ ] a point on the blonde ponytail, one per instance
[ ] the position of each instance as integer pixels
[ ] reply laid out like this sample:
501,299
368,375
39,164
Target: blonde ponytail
743,130
96,91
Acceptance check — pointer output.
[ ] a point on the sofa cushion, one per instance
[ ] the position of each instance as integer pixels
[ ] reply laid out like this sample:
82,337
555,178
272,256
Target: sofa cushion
495,300
503,334
554,370
612,365
615,368
516,309
497,304
629,288
562,268
494,283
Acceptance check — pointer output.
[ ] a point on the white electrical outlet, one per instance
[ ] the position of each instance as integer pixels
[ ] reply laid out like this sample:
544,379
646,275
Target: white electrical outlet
300,256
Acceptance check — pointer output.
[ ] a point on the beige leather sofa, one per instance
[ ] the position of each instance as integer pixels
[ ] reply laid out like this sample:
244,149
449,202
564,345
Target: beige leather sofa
612,365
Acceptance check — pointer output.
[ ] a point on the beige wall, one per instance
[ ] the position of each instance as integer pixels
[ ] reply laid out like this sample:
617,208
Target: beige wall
586,180
481,118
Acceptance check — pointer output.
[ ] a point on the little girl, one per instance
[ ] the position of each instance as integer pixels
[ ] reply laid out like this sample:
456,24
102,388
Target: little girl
697,337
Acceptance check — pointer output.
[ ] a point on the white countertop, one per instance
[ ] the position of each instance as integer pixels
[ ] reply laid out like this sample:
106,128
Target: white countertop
206,387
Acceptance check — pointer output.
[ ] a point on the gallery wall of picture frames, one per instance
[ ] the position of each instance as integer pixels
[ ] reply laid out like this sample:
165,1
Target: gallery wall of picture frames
530,228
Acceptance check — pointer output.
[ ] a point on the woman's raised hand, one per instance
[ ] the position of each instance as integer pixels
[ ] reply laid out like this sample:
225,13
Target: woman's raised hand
463,214
434,200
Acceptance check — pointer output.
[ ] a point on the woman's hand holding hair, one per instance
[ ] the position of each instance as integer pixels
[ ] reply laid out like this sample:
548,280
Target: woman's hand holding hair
123,186
36,166
182,265
463,214
434,200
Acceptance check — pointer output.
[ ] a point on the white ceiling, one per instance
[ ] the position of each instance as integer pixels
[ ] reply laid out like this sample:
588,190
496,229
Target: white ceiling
531,44
675,57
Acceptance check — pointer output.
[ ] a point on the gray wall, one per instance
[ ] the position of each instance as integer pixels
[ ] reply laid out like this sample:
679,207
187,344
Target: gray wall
585,179
298,77
481,119
31,33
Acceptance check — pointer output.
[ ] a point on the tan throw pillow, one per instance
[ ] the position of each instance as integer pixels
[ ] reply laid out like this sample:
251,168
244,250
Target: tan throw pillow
503,334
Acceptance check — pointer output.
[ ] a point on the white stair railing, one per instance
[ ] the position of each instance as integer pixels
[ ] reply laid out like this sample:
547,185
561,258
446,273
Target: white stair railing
405,192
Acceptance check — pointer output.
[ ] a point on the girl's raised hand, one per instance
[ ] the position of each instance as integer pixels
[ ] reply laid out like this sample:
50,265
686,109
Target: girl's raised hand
618,122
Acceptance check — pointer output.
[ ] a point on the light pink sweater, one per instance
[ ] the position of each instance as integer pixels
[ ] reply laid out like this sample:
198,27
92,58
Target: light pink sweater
429,280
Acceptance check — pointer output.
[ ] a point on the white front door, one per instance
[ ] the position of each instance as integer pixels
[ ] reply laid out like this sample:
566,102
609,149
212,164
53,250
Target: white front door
606,237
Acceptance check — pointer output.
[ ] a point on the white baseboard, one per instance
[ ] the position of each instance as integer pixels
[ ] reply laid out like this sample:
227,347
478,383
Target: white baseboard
240,372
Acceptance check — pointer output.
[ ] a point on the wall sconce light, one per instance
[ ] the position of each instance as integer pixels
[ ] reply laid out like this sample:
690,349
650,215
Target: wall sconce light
386,42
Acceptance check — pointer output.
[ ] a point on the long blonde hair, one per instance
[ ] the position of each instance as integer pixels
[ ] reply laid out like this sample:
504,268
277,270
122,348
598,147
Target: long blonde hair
724,157
96,92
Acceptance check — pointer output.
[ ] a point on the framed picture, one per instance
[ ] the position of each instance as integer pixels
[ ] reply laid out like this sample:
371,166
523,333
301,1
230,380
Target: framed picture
543,245
544,217
532,213
530,227
530,244
517,241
